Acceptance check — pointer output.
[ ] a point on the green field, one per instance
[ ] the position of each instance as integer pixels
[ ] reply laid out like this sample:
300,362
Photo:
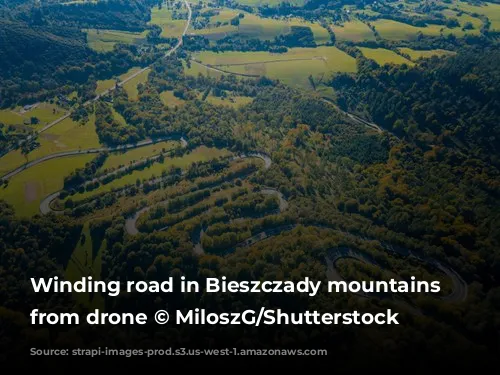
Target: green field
463,19
490,10
384,56
28,188
82,264
131,86
230,101
201,153
395,31
293,67
354,31
65,136
254,27
196,69
44,112
106,84
271,3
415,55
168,99
105,40
118,117
116,159
163,18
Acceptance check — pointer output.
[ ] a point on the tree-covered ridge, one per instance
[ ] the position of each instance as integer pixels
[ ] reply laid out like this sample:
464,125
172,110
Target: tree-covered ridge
452,101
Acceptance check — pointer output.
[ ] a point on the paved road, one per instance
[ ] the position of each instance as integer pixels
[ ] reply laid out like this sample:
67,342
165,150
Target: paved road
87,151
131,222
121,83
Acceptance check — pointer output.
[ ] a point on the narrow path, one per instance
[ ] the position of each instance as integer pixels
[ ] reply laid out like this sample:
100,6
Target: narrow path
57,155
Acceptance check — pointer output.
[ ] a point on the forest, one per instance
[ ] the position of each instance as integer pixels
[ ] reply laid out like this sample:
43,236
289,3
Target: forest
382,163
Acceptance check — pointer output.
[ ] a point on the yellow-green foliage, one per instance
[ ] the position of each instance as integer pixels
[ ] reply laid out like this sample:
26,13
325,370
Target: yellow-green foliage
384,56
105,40
163,18
106,84
293,67
490,10
117,159
393,30
131,86
28,188
44,112
65,136
415,54
354,31
252,26
230,101
169,99
199,154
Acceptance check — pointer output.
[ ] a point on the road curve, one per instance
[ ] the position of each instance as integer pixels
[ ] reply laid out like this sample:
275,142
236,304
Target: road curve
57,155
131,222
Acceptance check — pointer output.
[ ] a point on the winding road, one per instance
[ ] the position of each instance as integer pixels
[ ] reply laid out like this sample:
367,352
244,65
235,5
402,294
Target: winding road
57,155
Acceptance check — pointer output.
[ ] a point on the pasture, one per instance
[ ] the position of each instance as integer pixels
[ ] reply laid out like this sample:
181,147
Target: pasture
353,31
229,101
170,100
25,190
105,40
396,31
106,84
65,136
170,28
415,54
489,10
384,56
131,86
254,27
201,153
119,159
292,67
45,113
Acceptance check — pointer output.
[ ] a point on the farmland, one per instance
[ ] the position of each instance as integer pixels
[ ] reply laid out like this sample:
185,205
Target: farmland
490,10
171,28
103,85
131,86
290,67
200,154
415,54
353,30
231,101
105,40
253,26
65,136
384,56
117,159
25,190
395,31
168,99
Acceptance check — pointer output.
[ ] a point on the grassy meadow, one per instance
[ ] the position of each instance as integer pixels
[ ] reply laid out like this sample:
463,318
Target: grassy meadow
292,67
25,190
201,153
65,136
384,56
119,159
415,54
170,28
131,86
105,40
353,31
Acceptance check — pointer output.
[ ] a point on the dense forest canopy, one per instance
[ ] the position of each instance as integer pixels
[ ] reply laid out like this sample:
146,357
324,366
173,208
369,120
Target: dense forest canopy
314,142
